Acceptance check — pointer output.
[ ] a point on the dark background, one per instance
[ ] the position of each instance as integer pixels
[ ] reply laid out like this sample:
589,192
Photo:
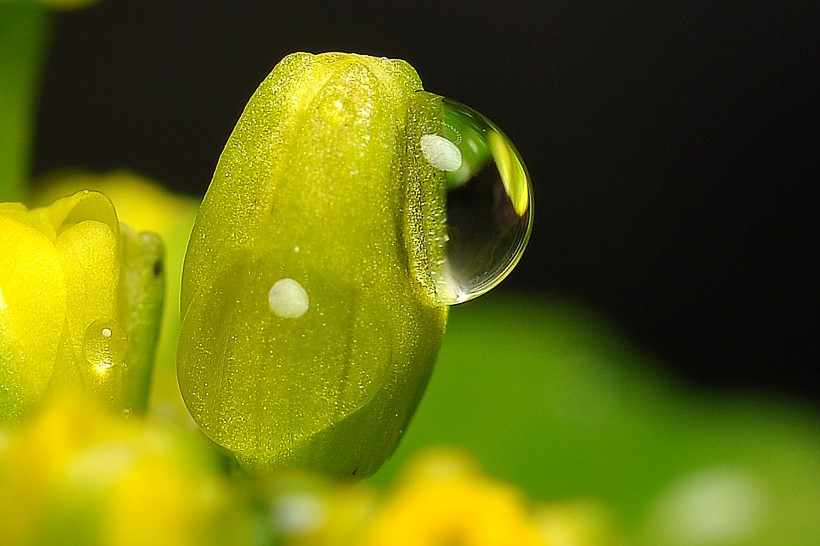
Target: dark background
673,145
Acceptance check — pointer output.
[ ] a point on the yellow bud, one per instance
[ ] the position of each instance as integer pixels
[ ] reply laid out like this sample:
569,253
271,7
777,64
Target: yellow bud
145,206
74,289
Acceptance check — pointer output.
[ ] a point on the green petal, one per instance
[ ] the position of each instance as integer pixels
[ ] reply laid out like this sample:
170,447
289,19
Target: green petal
319,187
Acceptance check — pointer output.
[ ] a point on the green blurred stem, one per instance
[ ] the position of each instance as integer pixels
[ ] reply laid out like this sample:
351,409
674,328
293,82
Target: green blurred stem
24,28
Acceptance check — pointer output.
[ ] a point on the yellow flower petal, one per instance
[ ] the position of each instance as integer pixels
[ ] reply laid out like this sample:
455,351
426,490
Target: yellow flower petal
444,501
88,252
32,312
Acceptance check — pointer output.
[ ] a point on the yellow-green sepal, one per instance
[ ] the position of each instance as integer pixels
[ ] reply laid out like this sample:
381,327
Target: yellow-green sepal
142,291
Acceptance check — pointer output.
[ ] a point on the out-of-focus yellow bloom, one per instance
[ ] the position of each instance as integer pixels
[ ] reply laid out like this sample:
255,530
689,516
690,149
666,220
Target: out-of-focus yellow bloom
79,303
308,510
76,474
443,499
579,523
145,206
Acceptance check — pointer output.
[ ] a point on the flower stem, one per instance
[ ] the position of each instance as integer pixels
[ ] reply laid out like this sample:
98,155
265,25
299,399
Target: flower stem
23,37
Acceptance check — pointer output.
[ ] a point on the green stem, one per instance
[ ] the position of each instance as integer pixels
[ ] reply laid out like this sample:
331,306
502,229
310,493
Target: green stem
23,36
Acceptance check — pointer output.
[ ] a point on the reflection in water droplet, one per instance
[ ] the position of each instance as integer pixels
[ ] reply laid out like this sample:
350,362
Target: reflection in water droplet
489,202
105,345
441,153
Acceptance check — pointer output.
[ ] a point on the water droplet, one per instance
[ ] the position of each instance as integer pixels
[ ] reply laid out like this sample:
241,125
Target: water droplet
287,299
105,345
489,202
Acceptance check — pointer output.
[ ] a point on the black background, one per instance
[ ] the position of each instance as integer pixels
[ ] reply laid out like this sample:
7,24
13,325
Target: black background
673,145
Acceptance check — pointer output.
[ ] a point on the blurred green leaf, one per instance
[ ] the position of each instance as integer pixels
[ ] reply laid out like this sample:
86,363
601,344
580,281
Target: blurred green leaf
23,37
549,396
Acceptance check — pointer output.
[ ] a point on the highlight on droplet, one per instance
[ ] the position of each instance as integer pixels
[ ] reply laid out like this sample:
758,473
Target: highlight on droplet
440,152
288,299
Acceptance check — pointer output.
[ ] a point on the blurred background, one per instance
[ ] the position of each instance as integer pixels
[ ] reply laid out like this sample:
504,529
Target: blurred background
672,145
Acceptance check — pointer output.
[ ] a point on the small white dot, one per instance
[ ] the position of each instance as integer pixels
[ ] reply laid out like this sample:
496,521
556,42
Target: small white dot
296,249
298,513
106,332
287,299
440,152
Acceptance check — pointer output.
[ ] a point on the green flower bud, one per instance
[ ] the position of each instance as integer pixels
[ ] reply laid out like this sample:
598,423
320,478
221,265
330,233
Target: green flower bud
310,314
80,301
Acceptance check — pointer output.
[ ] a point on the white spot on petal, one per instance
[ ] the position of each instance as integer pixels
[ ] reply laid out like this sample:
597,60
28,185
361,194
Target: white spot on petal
440,152
287,299
2,300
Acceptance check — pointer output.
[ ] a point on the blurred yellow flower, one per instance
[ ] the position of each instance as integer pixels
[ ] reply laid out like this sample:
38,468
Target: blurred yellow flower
443,500
308,510
79,303
76,474
585,522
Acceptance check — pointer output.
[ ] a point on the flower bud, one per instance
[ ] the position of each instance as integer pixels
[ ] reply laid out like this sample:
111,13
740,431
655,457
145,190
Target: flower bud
80,301
310,319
